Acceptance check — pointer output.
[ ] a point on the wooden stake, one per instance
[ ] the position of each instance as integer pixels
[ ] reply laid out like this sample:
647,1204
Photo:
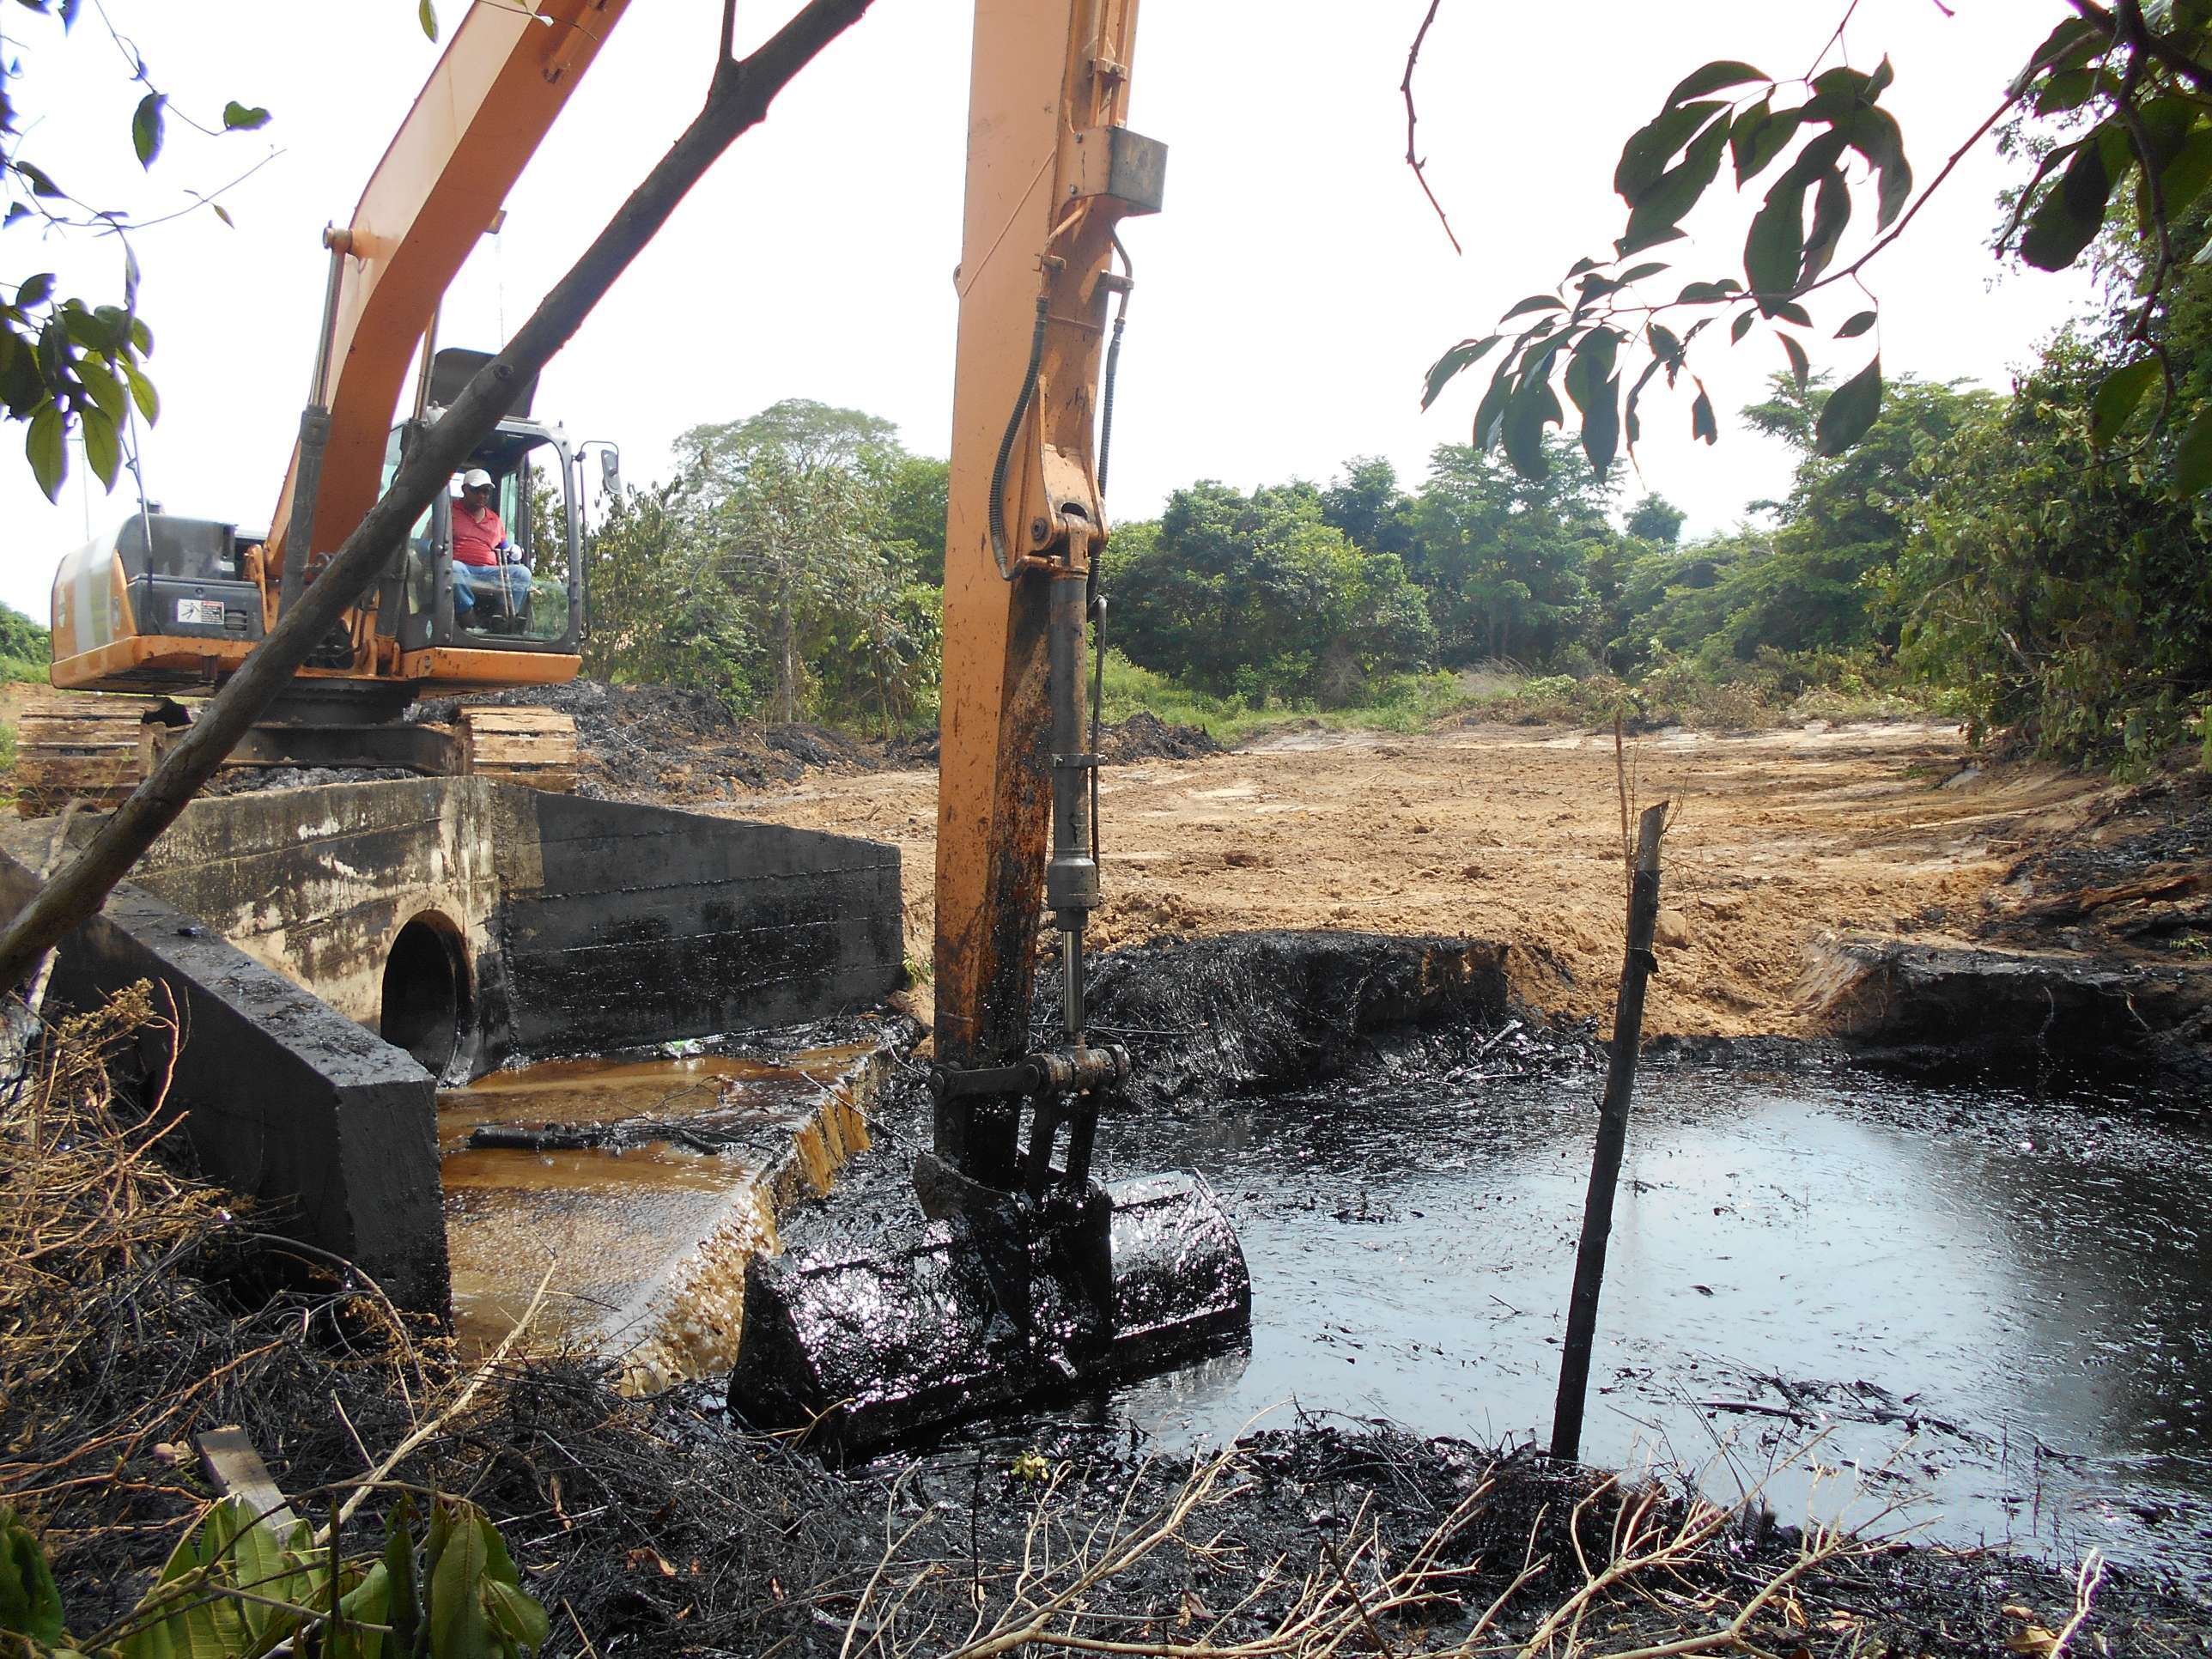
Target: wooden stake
1636,969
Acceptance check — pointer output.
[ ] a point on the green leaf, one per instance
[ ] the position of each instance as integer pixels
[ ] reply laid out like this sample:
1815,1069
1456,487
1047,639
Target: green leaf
30,1604
1712,78
1602,427
108,391
222,213
1704,293
1675,192
2070,89
2192,458
1644,158
35,291
146,128
1849,411
1836,93
1741,326
1533,406
518,1614
1875,134
2072,42
1489,413
1801,368
498,1565
1649,234
237,117
2071,211
1536,302
1831,213
102,453
1857,325
2183,178
46,445
406,1608
1788,311
368,1602
1758,136
40,182
82,326
1463,356
1702,423
2117,398
1581,381
1633,426
458,1628
1638,273
1775,251
427,14
15,211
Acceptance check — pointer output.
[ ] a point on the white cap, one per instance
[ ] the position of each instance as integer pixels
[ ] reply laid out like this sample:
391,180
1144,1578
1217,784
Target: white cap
476,478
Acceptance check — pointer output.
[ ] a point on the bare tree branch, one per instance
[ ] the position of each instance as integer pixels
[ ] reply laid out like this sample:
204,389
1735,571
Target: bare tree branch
1413,159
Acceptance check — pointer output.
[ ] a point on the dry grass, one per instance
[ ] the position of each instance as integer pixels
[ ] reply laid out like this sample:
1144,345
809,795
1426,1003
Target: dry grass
119,1337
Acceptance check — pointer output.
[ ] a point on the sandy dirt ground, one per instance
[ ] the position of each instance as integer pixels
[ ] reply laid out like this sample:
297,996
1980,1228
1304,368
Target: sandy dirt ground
1514,833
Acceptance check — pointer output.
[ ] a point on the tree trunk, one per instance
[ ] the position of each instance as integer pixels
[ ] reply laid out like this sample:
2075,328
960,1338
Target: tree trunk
737,101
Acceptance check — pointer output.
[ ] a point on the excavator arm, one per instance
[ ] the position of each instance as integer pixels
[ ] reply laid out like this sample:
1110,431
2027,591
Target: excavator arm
1031,1276
1049,179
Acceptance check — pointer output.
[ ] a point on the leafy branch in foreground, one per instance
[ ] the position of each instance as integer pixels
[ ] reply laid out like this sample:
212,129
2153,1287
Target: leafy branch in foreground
2139,91
67,365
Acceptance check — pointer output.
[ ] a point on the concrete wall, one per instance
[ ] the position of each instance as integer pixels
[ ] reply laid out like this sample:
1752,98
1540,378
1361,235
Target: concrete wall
586,925
633,924
286,1101
317,883
577,926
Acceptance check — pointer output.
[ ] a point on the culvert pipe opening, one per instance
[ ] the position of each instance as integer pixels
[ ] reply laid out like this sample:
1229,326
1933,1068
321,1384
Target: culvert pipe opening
426,991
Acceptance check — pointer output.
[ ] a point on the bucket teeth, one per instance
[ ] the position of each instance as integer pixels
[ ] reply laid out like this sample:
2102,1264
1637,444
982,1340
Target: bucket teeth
947,1319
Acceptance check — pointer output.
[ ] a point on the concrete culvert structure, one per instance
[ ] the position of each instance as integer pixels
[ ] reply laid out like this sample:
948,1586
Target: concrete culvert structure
426,1005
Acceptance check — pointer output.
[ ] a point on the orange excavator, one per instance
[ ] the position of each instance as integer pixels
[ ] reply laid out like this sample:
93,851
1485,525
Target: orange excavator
171,606
1022,1271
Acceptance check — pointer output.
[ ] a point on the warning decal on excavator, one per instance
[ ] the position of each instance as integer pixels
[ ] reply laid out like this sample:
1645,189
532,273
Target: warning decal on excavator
200,611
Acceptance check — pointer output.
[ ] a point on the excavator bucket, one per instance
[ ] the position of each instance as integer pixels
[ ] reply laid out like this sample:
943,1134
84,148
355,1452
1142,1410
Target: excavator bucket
933,1322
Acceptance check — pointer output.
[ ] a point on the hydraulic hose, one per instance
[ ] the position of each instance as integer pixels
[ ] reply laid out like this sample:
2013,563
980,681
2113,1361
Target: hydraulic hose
1096,598
998,514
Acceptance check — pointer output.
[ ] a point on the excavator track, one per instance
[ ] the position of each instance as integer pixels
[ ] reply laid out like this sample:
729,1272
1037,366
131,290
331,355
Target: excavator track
88,749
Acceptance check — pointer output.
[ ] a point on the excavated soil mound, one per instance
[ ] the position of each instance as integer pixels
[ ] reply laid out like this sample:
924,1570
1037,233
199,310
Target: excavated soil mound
1245,1011
679,745
2134,876
1146,735
668,745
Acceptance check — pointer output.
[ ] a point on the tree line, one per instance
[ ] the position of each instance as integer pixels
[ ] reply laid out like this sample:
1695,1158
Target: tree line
2020,556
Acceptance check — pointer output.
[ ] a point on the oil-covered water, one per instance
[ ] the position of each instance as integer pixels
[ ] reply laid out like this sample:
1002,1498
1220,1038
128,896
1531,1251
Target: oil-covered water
1999,1309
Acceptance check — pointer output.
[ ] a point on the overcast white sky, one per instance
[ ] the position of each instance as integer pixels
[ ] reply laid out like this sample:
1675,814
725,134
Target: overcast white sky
1288,302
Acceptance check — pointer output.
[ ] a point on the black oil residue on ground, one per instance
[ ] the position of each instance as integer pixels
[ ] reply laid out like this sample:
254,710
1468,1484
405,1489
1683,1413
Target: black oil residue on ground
2000,1303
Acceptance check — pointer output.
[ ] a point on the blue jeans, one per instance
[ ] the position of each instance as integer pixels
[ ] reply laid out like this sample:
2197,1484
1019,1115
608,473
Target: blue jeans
508,585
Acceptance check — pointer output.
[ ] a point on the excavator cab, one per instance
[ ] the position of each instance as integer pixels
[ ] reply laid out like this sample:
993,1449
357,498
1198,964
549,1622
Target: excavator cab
532,603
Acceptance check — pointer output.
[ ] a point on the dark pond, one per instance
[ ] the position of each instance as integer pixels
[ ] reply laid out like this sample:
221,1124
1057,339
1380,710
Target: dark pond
1997,1310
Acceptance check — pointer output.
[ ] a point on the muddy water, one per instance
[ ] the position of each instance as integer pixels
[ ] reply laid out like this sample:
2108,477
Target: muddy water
1998,1312
641,1245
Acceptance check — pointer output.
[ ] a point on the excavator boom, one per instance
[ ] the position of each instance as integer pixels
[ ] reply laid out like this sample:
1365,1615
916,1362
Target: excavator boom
491,99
